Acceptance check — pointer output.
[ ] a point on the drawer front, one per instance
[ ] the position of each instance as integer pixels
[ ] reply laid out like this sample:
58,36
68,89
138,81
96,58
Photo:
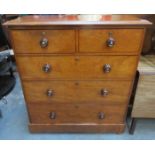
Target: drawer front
82,67
43,41
86,113
77,91
111,40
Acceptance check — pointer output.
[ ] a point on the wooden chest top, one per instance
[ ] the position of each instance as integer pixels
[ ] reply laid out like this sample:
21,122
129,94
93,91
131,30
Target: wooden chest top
77,20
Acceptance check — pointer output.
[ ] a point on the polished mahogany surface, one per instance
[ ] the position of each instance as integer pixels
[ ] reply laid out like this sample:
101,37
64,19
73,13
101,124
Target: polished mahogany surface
77,71
77,20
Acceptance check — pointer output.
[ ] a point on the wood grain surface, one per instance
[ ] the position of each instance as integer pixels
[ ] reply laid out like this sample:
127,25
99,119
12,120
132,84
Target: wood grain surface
83,20
28,41
77,91
126,40
77,67
144,104
146,65
76,113
77,128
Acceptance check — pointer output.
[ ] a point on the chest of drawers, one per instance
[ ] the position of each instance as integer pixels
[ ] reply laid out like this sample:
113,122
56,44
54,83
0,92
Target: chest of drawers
77,75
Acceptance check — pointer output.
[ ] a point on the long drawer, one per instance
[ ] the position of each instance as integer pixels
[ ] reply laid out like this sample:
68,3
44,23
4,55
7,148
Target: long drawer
111,40
75,113
106,92
43,41
76,67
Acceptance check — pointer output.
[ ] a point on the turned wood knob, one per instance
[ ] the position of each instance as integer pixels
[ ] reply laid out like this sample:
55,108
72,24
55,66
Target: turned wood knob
49,92
44,42
52,115
106,68
46,68
101,115
111,41
104,92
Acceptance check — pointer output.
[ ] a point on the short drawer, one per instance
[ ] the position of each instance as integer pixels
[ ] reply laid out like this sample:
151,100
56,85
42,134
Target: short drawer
106,92
76,114
72,67
43,41
111,40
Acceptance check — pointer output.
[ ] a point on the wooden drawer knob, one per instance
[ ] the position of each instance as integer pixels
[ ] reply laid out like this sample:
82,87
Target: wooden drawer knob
101,115
49,92
106,68
104,92
111,41
43,42
52,115
47,68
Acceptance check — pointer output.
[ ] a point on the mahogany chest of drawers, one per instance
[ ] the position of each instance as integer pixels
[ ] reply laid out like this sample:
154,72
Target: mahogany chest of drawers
77,75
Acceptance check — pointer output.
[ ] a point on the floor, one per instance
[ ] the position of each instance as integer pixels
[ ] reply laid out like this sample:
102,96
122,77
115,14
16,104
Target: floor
13,125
